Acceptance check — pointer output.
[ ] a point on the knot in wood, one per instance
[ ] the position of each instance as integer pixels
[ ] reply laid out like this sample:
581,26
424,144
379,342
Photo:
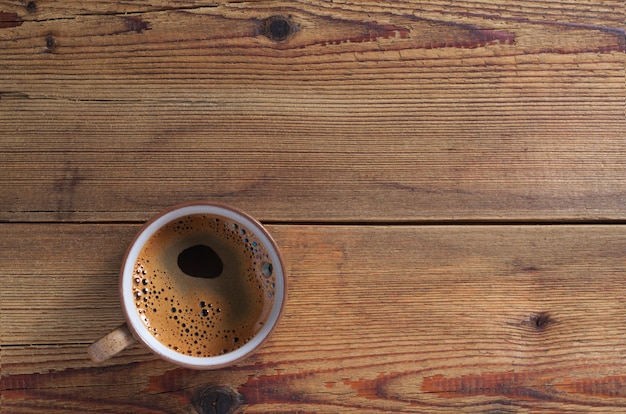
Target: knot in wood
217,400
31,7
51,44
540,321
278,28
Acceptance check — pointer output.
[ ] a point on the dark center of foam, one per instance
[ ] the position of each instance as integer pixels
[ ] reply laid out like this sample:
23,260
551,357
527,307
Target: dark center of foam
200,261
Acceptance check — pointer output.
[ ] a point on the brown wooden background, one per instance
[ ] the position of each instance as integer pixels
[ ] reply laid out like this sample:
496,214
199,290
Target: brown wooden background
446,179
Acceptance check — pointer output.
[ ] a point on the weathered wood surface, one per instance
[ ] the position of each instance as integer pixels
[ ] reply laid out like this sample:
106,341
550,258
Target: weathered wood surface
385,111
379,319
375,136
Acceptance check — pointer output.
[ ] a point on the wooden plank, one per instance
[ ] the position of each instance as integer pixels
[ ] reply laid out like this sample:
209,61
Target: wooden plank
396,319
190,54
399,112
529,174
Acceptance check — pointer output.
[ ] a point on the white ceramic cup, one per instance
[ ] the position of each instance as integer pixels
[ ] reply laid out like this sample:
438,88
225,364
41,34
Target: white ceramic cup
135,330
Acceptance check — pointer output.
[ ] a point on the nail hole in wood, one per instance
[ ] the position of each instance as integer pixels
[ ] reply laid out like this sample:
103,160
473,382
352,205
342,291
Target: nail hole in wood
31,7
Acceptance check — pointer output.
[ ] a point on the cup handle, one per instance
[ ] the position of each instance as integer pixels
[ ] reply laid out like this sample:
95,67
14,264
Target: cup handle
111,344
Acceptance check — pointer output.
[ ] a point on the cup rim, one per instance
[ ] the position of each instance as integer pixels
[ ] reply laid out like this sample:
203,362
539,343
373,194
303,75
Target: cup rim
127,300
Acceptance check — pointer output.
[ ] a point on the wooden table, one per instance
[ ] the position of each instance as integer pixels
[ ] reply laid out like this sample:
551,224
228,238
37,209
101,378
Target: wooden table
446,180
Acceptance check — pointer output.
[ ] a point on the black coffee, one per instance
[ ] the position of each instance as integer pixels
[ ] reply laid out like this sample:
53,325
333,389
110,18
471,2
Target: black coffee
204,285
200,261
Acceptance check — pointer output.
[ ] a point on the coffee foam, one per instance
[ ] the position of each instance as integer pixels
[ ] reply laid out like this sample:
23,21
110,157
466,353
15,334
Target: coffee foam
196,316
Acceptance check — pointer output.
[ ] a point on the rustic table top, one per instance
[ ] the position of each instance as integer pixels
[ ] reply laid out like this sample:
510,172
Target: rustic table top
446,180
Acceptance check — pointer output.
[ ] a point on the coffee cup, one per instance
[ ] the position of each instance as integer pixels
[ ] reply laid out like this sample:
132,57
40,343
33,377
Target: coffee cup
202,285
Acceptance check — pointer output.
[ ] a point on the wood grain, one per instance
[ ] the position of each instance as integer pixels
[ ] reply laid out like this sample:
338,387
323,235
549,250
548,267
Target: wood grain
379,319
390,146
392,112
